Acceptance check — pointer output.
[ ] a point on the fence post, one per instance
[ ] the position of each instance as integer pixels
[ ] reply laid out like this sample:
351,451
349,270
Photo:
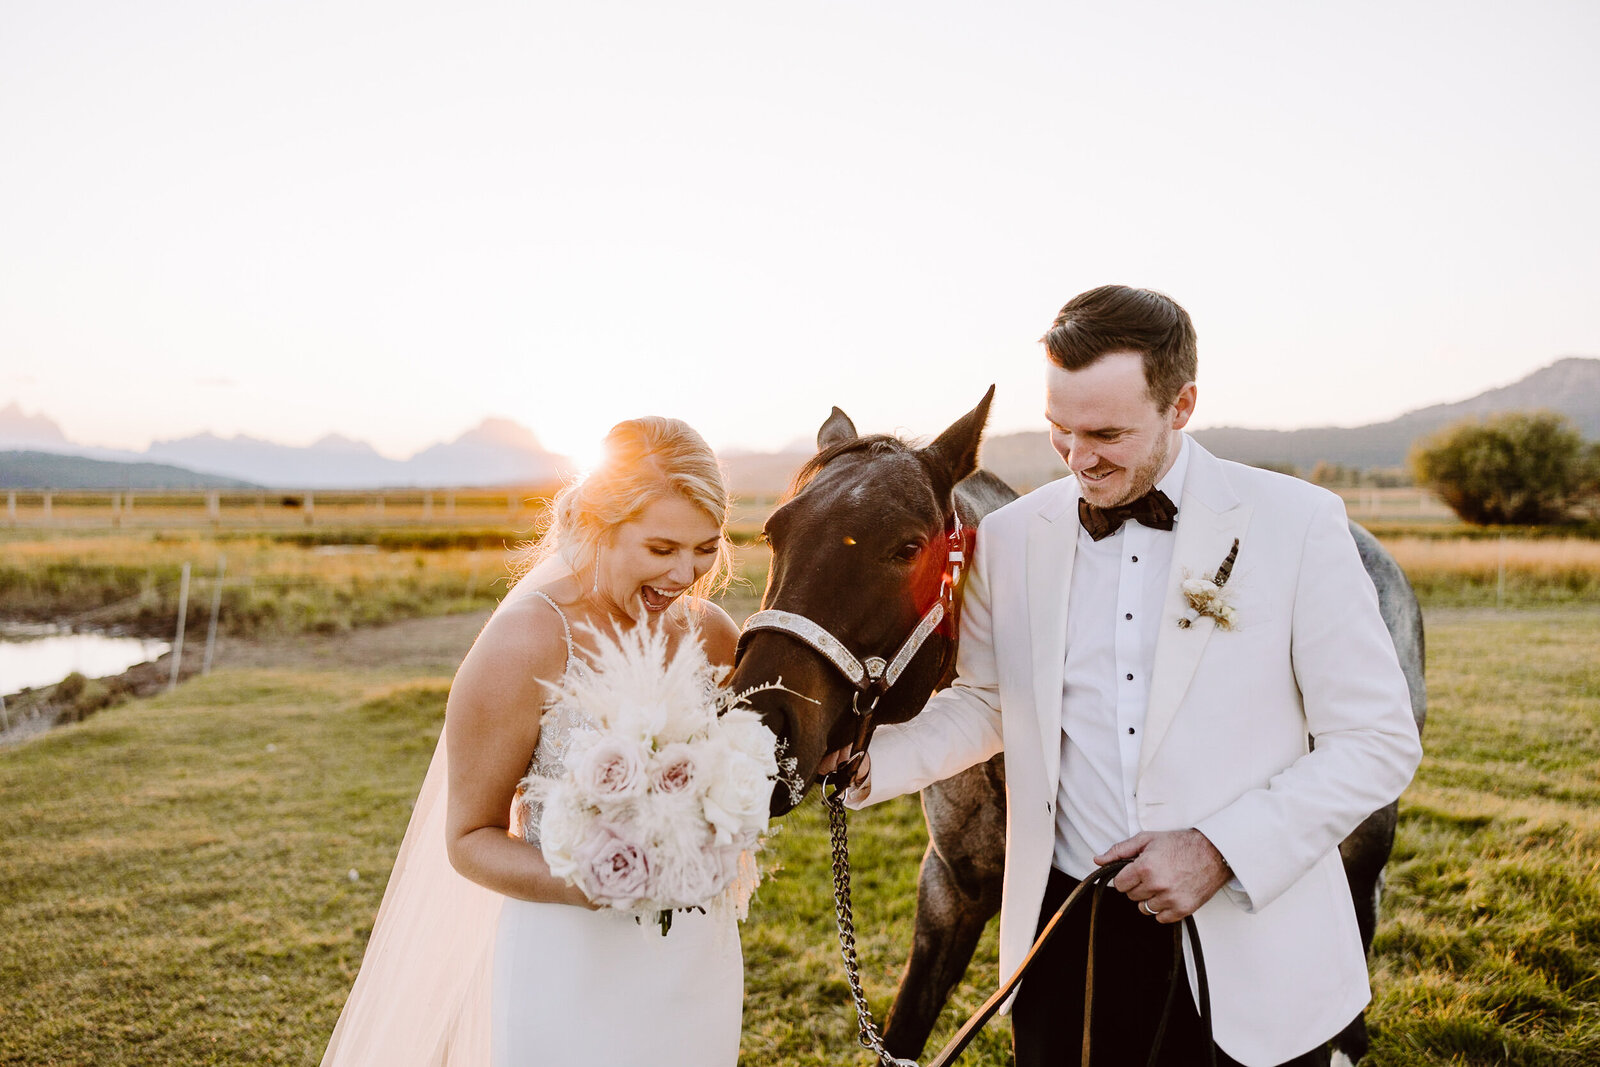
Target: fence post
5,716
11,507
1500,577
216,609
183,615
311,507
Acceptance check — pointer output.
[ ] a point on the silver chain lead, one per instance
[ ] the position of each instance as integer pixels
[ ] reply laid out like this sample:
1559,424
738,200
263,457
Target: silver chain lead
869,1036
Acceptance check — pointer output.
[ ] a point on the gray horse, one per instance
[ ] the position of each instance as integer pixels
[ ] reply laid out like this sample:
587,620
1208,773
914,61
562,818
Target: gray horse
870,515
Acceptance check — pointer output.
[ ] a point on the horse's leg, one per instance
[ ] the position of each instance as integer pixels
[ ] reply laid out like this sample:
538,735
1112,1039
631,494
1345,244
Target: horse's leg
1364,853
949,923
958,892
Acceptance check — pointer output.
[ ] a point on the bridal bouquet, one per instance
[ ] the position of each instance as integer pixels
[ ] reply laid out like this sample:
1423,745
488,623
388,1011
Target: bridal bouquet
665,795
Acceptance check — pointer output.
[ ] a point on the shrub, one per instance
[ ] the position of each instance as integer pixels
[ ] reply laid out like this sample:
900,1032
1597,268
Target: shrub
71,687
1521,467
1590,480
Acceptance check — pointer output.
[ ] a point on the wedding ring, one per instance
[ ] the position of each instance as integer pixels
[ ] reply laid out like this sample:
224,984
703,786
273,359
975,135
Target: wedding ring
1144,906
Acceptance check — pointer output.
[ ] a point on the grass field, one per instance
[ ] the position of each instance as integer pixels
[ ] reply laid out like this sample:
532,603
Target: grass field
177,872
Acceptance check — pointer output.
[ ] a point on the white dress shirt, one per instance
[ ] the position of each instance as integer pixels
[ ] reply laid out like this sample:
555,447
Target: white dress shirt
1119,584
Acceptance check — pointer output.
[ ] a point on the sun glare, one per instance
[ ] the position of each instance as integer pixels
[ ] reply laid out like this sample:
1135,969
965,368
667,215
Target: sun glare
580,438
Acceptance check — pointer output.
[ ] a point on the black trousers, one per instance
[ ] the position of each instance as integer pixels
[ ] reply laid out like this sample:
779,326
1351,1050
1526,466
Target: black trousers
1133,960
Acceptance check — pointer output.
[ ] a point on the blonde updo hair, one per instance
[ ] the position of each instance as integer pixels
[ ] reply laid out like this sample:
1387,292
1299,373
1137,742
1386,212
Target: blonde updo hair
645,459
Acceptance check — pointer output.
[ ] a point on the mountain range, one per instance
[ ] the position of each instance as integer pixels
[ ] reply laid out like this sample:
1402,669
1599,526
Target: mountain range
495,452
502,452
1569,386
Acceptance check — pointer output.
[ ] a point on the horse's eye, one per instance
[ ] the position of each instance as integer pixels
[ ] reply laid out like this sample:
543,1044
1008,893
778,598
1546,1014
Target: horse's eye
908,552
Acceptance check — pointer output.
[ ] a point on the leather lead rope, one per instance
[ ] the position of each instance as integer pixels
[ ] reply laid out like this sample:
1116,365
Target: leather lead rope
1091,888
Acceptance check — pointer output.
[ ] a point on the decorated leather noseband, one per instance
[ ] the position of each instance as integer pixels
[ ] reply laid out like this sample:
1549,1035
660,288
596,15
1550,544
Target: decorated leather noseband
874,676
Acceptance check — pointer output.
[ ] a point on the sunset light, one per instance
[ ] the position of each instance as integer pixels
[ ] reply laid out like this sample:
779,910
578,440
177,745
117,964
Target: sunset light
296,220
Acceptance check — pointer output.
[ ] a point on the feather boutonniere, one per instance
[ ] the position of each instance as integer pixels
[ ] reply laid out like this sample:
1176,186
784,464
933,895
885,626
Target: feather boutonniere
1206,599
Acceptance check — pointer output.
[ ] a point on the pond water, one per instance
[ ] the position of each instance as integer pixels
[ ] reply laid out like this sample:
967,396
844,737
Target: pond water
31,660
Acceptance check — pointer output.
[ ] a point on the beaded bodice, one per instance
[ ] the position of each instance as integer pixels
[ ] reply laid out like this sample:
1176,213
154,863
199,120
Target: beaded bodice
557,723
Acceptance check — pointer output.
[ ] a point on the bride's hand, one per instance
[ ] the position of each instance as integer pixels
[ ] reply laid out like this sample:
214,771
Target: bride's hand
571,894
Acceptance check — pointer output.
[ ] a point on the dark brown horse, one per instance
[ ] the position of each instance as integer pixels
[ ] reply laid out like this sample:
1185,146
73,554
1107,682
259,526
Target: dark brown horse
861,548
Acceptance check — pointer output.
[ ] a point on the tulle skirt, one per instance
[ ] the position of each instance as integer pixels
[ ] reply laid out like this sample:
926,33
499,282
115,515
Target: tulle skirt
580,988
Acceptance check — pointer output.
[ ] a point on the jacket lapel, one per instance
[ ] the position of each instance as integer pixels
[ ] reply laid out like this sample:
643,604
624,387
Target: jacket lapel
1052,545
1209,518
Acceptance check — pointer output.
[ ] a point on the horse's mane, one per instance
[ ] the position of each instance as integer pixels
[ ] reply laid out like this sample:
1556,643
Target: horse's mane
875,444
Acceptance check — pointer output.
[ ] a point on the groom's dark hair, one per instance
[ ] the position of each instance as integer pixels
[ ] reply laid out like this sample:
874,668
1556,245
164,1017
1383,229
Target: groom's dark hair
1116,318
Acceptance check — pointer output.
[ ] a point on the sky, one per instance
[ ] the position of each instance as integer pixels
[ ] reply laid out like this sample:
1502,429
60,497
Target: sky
391,221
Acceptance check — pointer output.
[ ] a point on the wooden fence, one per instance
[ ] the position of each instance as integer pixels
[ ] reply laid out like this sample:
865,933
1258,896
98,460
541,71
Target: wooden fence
152,508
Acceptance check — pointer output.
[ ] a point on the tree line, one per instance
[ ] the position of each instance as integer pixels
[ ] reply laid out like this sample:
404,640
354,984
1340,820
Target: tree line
1518,468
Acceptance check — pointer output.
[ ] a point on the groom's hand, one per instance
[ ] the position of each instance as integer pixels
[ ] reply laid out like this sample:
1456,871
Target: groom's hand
860,782
1173,872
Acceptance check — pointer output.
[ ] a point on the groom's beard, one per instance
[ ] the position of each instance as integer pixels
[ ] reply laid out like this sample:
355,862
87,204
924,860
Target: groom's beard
1142,479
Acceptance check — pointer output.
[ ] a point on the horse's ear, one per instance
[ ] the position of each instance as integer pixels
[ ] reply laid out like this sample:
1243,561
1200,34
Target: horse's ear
836,430
954,454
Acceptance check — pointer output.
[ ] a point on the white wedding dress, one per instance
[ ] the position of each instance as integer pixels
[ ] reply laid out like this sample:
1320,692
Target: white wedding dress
578,987
456,975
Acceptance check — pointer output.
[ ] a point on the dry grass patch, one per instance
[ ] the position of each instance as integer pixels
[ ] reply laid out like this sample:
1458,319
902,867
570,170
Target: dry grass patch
1462,572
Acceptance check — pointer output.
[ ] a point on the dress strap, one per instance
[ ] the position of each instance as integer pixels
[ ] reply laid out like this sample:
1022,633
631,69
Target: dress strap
566,627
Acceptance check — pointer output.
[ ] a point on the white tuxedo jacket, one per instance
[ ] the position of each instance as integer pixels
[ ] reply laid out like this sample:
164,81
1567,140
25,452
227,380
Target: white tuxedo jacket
1225,744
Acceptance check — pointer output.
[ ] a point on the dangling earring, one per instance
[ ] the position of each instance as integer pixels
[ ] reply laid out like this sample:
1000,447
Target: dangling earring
595,592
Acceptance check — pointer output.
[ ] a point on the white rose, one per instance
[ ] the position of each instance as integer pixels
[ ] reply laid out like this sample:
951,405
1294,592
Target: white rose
739,798
745,731
563,824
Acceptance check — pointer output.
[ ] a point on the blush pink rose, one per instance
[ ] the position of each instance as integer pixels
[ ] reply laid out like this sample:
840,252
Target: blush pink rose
612,769
614,870
674,769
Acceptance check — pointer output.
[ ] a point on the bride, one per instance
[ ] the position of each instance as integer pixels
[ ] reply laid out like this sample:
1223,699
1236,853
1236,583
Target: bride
479,955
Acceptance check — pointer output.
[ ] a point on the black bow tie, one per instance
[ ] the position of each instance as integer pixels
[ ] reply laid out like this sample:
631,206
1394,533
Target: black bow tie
1153,510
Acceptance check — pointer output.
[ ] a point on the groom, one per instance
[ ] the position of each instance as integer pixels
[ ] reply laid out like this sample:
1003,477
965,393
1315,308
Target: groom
1224,737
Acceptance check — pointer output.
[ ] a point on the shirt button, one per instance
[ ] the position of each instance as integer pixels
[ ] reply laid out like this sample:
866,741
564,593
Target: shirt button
1130,729
1130,677
1136,559
1129,615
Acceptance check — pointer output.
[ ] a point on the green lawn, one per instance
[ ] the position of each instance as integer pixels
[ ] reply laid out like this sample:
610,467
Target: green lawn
177,872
